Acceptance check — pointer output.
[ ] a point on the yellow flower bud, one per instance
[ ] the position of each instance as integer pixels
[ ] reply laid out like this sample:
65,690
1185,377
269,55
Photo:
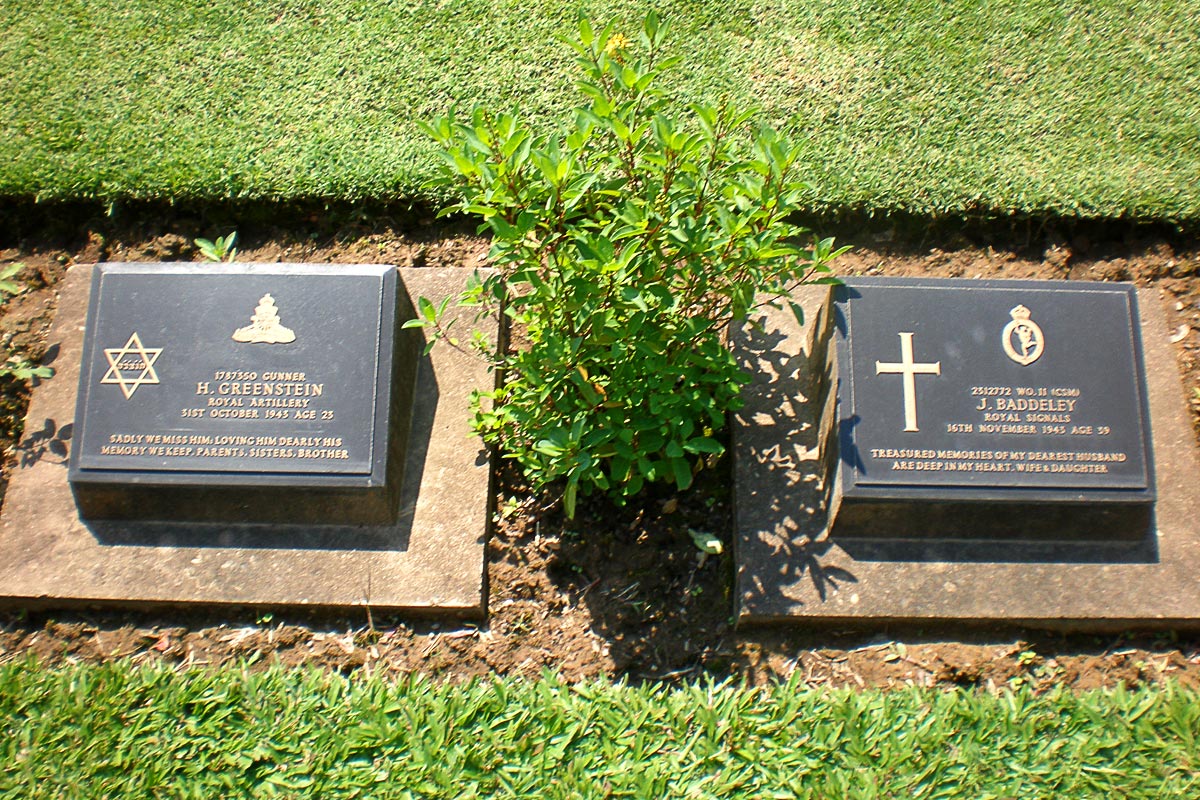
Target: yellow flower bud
615,46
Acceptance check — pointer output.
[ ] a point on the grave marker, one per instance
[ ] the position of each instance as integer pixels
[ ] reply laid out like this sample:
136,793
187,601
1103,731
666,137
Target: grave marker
1015,409
243,393
1074,508
330,552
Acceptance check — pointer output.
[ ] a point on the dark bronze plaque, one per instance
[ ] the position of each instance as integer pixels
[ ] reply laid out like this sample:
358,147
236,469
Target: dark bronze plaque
232,376
959,394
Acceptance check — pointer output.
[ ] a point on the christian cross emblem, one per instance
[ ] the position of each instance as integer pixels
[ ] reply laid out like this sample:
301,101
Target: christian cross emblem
908,368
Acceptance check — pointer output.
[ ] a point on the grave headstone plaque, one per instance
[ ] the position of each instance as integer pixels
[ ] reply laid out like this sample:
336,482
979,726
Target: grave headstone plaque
244,393
967,409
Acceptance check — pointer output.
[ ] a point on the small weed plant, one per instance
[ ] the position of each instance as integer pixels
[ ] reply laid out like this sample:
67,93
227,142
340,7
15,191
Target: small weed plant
625,244
9,286
220,250
15,365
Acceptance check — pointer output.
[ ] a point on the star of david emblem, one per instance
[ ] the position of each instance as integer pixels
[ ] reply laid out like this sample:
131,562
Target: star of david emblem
124,360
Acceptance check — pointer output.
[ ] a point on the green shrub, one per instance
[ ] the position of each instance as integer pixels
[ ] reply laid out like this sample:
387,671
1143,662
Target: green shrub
625,244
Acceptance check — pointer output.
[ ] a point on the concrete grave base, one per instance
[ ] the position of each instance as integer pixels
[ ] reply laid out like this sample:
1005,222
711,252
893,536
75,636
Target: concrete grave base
430,562
788,570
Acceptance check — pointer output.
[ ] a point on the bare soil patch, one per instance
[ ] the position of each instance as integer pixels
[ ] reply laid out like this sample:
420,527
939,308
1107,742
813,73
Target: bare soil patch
618,591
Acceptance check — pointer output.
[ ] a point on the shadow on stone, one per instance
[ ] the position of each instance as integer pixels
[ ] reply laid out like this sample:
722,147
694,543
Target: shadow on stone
52,442
780,465
804,559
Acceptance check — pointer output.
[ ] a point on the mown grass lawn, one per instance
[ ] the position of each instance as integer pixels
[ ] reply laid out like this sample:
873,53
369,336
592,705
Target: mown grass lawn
122,731
1072,107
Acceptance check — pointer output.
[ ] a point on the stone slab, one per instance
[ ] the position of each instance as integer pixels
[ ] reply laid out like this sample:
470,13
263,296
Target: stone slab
789,570
431,561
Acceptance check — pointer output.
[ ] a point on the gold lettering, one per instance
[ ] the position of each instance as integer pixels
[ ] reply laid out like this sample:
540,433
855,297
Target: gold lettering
272,452
887,453
121,450
284,389
280,402
322,453
1034,404
1047,417
221,452
234,413
126,438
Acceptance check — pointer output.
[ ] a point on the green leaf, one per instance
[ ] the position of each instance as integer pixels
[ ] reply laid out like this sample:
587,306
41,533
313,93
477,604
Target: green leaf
651,25
682,471
569,498
797,311
426,309
706,543
704,444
